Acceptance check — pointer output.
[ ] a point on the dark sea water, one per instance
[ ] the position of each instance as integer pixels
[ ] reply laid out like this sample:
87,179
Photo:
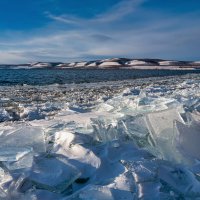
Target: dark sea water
46,76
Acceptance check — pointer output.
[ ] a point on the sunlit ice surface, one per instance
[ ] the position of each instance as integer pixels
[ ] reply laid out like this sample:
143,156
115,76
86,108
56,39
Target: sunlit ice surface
136,139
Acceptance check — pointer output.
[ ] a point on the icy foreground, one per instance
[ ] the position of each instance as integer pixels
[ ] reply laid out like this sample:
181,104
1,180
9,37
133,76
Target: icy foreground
114,140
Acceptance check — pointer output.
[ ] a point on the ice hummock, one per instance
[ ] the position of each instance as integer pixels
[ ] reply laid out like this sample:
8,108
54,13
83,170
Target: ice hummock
137,144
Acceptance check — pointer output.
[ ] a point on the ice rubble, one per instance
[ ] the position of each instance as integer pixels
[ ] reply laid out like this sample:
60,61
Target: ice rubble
137,145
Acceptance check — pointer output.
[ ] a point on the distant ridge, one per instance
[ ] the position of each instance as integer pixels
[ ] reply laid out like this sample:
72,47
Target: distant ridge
118,63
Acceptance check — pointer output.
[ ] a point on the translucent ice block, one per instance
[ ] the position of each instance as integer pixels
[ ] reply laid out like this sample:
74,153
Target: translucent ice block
161,124
4,115
19,196
2,194
162,129
93,192
194,116
53,174
5,178
69,145
145,176
27,136
142,171
148,190
24,162
188,139
136,126
13,153
44,194
104,107
179,179
104,131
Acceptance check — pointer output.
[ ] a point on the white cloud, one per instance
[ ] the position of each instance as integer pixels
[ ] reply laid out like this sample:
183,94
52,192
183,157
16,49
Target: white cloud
117,12
63,18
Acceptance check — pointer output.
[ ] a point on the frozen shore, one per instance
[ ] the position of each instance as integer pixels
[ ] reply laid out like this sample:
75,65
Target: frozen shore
132,139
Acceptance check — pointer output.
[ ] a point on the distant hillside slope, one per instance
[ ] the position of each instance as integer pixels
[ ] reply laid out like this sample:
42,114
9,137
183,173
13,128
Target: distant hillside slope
112,63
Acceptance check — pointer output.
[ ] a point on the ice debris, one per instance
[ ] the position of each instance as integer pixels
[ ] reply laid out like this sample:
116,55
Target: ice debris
142,143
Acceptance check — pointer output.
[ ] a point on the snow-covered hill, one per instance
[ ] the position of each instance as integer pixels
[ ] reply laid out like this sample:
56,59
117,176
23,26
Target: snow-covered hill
133,63
113,63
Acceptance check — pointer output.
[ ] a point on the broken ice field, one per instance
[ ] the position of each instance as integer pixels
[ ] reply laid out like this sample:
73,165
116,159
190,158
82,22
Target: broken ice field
139,142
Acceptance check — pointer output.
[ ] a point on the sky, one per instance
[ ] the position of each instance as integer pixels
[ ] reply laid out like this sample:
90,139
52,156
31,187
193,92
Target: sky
78,30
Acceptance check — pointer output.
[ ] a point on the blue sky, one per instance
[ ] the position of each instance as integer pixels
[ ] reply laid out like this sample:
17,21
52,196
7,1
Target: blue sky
69,30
